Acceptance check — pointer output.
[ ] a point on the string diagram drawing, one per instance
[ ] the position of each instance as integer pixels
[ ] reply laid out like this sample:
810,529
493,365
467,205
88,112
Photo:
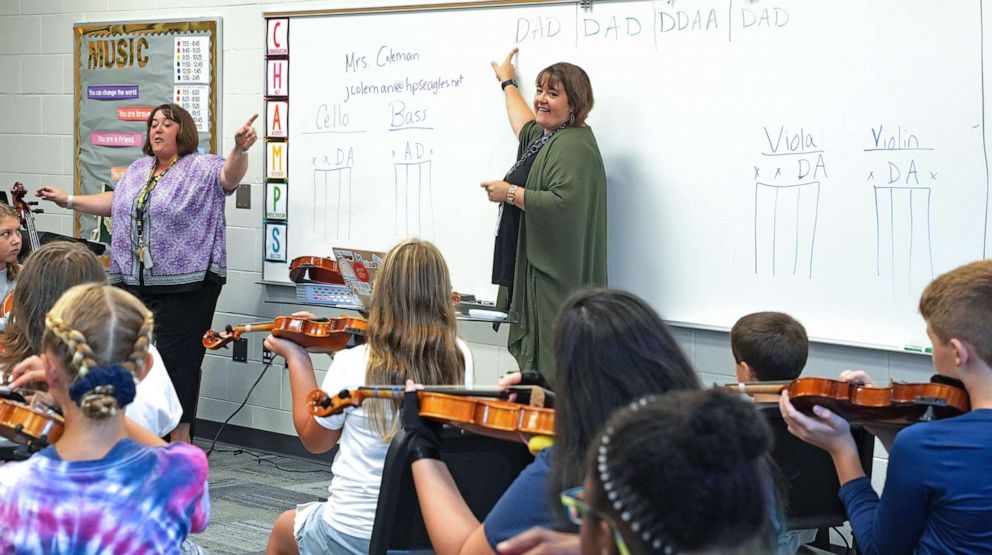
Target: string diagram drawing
413,203
785,227
903,235
332,202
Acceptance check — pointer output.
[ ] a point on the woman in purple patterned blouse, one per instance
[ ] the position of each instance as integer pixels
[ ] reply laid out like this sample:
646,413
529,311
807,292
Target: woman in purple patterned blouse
168,241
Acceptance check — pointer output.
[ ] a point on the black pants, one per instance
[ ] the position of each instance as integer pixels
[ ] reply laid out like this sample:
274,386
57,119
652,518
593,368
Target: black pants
181,319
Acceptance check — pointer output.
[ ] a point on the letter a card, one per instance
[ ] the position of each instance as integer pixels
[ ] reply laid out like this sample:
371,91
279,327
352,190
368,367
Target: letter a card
276,119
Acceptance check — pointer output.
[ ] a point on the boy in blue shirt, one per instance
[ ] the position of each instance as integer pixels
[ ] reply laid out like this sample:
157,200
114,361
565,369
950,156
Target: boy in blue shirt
938,490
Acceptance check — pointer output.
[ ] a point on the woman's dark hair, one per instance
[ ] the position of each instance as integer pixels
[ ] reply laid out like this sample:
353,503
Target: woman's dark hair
610,349
685,471
47,273
186,140
576,83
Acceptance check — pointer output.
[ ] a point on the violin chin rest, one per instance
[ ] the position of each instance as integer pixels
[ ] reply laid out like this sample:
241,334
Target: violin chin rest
11,395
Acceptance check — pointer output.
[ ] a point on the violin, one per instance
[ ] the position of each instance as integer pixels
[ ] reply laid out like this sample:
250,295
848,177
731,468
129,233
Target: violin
463,408
318,269
900,403
319,335
36,426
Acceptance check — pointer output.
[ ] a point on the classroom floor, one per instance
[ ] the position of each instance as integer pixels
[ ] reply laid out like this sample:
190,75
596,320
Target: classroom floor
249,489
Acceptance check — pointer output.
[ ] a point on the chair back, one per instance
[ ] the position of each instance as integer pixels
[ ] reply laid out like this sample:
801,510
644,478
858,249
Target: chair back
807,476
482,467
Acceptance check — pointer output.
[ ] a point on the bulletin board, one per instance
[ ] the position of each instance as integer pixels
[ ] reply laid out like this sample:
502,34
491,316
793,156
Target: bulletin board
122,71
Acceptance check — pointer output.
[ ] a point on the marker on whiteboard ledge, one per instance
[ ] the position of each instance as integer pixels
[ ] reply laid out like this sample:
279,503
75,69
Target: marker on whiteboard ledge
917,349
486,314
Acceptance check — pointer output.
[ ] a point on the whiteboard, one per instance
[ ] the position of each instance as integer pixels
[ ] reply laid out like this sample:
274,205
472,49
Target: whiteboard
824,158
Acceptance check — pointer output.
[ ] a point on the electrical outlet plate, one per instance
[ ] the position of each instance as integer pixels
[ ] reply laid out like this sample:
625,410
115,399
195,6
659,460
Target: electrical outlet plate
242,198
240,353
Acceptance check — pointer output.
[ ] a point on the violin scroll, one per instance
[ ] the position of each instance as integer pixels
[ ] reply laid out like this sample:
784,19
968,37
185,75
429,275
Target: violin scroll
320,403
213,340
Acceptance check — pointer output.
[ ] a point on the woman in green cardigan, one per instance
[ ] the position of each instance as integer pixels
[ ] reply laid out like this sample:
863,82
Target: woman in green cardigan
551,238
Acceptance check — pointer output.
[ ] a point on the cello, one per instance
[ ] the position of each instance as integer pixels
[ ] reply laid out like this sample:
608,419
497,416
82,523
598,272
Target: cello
317,335
899,404
483,412
17,193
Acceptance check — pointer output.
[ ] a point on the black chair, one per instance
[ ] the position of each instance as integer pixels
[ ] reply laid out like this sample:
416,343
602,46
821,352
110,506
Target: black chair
807,475
482,467
46,237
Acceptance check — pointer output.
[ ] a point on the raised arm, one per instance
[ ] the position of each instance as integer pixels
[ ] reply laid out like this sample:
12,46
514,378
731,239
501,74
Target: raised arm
517,108
236,164
99,204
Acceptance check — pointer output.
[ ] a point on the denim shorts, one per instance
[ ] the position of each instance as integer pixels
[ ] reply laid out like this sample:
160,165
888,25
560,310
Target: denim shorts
314,535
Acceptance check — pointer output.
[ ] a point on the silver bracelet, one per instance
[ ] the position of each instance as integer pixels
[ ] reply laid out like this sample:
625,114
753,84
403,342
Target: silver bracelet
243,152
68,201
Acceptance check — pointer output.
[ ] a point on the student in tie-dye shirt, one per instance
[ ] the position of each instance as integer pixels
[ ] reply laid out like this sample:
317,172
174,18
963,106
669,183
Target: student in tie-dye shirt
97,490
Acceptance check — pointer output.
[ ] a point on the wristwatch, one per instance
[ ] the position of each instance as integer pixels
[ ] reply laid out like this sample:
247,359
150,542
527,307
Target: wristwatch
507,83
510,193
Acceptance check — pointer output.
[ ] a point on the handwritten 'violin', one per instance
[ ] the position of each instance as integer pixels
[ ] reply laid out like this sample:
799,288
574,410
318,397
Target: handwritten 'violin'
900,403
318,335
466,409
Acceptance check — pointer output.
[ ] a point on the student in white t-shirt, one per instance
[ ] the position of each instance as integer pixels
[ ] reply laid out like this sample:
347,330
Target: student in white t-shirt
411,334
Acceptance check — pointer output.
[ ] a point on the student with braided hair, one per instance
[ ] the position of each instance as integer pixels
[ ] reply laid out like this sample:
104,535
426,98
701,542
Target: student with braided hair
46,275
102,487
685,472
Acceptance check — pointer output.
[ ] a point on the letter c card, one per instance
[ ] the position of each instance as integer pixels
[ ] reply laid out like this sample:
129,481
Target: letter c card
277,37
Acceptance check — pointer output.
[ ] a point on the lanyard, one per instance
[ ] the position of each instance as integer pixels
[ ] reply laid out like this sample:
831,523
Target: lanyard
143,251
531,150
146,191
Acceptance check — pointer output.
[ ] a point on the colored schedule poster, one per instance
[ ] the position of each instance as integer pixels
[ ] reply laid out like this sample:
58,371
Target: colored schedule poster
123,71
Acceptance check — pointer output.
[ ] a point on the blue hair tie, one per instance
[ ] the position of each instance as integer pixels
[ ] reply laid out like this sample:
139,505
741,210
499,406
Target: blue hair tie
113,380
